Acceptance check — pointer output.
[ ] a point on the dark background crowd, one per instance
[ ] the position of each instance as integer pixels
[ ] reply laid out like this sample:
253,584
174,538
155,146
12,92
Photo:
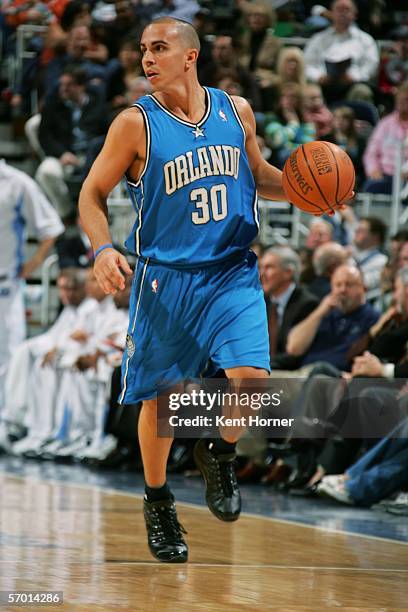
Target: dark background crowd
338,305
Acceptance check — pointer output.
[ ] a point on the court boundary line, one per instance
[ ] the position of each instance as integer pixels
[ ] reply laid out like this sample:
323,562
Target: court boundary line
203,508
232,565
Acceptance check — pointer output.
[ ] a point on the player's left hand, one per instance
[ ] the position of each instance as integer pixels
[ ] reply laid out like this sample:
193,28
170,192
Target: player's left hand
336,207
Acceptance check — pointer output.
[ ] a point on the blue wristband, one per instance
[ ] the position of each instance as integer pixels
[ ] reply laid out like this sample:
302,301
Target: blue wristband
108,245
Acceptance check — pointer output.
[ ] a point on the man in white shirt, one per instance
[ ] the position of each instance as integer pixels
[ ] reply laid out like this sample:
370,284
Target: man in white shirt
80,395
24,210
40,353
342,55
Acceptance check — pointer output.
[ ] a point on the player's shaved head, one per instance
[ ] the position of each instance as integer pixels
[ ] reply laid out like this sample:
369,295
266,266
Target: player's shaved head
184,30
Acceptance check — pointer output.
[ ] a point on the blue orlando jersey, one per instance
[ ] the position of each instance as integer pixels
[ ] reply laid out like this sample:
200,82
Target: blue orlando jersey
196,199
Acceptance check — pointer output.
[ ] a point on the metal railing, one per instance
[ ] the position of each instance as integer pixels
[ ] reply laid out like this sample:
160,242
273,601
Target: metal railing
279,222
24,35
46,276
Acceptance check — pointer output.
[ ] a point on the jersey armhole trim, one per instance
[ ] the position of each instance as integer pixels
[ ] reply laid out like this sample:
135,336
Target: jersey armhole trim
234,109
148,147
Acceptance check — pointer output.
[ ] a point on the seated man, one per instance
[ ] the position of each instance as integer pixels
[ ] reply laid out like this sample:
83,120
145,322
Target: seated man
327,335
341,318
72,130
369,238
326,258
76,308
84,388
80,375
342,55
350,405
380,472
287,302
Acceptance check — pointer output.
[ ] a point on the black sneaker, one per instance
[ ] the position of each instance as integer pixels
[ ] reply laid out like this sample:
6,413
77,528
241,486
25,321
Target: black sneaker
164,532
222,492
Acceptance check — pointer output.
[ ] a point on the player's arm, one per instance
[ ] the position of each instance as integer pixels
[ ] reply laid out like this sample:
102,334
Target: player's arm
124,148
268,179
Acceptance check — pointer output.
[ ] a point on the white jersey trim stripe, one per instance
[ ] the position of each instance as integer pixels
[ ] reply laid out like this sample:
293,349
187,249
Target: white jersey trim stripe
139,225
122,395
202,120
256,210
148,145
238,118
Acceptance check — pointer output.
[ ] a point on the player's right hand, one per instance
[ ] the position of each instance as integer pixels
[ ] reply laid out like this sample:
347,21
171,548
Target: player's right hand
108,268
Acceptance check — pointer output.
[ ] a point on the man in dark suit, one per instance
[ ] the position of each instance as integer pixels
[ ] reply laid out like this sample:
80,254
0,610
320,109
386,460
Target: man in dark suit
287,303
72,130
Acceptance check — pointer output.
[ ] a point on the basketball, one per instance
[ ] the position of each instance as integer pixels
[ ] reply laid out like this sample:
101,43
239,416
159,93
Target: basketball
318,176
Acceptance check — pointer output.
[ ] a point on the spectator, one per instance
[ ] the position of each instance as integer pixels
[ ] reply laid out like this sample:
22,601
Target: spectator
346,136
287,129
396,68
344,223
45,347
287,302
260,48
24,210
320,232
225,62
343,55
379,158
380,472
351,408
178,9
204,26
398,242
137,88
74,247
50,373
291,66
78,51
122,72
20,12
118,19
369,238
307,273
326,334
229,83
403,255
72,129
85,390
315,111
326,258
342,317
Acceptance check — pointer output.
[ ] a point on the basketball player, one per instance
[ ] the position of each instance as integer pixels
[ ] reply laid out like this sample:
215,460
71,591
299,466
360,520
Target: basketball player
193,169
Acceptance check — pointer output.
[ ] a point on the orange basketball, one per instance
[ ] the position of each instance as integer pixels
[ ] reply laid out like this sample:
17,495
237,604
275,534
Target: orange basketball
318,176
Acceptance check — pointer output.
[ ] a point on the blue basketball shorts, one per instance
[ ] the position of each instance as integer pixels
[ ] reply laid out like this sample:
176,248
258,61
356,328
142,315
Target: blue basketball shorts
183,320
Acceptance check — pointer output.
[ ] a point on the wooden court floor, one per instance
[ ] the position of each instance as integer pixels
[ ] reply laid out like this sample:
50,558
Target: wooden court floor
90,544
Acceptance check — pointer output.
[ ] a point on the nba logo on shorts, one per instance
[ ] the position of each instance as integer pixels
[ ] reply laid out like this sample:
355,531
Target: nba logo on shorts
222,115
155,285
130,346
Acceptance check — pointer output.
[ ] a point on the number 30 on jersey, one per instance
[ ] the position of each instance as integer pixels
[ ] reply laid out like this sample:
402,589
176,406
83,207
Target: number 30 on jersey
209,204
